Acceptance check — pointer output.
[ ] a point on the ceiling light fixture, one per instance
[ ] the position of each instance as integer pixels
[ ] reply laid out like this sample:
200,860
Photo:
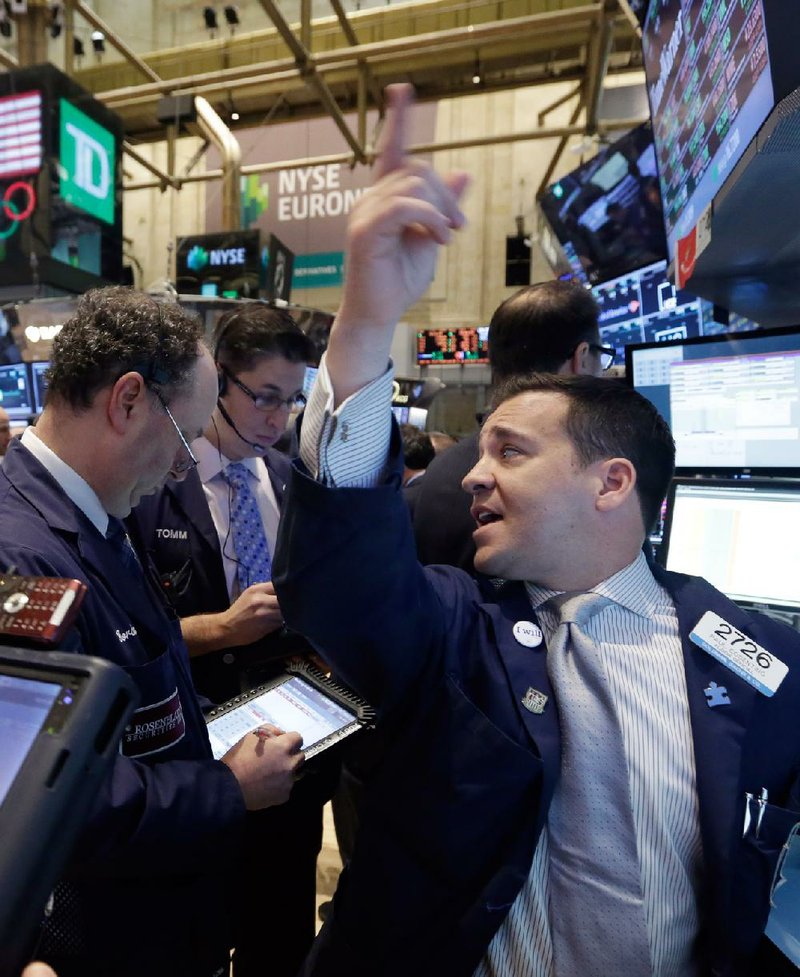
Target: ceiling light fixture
476,74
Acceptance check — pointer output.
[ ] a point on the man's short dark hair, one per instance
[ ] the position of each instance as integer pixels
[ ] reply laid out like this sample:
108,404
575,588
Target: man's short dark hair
418,450
115,330
608,419
539,327
245,335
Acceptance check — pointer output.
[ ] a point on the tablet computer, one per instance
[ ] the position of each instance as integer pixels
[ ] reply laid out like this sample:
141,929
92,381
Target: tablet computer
302,699
61,720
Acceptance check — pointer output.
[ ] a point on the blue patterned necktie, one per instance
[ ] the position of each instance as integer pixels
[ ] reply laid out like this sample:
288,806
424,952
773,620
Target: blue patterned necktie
252,553
597,914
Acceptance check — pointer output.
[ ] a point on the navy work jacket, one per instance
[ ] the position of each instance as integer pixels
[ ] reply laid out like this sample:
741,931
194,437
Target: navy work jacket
144,891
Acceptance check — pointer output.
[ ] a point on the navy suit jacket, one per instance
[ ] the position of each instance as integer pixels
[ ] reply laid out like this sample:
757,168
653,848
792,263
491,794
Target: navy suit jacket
176,529
455,811
143,892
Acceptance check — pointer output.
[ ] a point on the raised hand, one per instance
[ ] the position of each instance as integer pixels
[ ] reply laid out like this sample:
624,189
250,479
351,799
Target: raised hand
394,235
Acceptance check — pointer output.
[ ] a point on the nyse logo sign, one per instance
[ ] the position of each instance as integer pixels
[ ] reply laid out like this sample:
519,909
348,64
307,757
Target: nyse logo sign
87,164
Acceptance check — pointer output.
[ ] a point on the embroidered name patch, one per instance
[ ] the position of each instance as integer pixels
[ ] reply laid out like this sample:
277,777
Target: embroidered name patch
154,728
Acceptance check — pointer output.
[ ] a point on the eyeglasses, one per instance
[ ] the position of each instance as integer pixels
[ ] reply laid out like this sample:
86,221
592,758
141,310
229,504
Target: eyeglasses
607,354
180,467
267,402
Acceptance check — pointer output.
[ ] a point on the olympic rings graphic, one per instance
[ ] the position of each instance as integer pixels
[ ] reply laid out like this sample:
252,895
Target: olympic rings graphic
11,208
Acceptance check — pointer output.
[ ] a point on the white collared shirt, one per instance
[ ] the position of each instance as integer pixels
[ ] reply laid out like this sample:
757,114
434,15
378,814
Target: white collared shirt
74,486
211,464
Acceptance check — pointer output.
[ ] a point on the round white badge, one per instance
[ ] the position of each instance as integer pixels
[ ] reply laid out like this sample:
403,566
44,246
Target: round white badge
528,634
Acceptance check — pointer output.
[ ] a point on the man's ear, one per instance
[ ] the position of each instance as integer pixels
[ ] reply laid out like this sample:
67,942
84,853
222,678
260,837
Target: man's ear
127,394
579,363
617,483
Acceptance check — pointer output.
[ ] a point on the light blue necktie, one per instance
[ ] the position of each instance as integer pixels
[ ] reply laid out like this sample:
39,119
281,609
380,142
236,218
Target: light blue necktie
252,553
597,914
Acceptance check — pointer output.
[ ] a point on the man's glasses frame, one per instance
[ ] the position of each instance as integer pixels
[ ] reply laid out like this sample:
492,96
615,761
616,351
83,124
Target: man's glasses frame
266,402
607,355
180,467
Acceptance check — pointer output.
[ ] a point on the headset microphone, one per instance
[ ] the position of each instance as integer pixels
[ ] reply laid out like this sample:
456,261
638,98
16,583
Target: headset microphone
260,448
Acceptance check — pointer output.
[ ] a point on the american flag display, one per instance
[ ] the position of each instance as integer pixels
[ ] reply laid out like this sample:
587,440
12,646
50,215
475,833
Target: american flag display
20,134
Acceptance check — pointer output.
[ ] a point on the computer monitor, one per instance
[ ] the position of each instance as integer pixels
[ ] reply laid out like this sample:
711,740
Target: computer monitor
732,401
308,380
415,416
16,395
39,381
736,533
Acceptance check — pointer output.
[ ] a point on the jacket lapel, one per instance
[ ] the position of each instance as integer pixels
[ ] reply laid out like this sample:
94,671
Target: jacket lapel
278,467
718,733
526,671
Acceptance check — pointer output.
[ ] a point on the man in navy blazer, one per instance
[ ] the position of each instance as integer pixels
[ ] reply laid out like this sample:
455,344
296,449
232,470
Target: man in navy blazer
235,633
452,870
130,384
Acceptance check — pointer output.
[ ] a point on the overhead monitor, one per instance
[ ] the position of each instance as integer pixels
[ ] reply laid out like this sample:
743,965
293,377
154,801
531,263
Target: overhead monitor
644,306
728,531
732,401
710,87
39,382
608,211
226,265
16,395
453,347
60,184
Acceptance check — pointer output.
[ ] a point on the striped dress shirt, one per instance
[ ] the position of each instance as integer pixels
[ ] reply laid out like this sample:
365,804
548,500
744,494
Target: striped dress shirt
639,640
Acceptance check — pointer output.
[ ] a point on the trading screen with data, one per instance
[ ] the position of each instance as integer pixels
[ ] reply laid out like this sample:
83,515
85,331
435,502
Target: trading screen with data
440,347
710,89
732,402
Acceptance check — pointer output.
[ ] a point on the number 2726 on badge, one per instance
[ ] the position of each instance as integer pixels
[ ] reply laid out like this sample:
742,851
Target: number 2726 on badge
747,659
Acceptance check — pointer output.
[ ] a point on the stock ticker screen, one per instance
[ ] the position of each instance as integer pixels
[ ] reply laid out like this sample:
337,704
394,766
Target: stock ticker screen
710,89
443,347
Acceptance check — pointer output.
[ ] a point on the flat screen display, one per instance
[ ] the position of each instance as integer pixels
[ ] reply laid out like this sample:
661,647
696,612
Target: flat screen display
24,705
710,89
607,213
643,307
293,706
726,532
732,401
16,395
226,265
39,377
443,347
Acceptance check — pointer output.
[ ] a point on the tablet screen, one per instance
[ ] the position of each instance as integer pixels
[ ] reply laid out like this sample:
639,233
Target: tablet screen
293,706
24,705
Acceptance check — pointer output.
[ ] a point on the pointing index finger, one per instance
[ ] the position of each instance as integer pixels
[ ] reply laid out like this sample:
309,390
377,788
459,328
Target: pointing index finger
394,137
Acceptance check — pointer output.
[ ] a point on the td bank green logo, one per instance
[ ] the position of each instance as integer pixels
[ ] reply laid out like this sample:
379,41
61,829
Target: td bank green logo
197,258
87,164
